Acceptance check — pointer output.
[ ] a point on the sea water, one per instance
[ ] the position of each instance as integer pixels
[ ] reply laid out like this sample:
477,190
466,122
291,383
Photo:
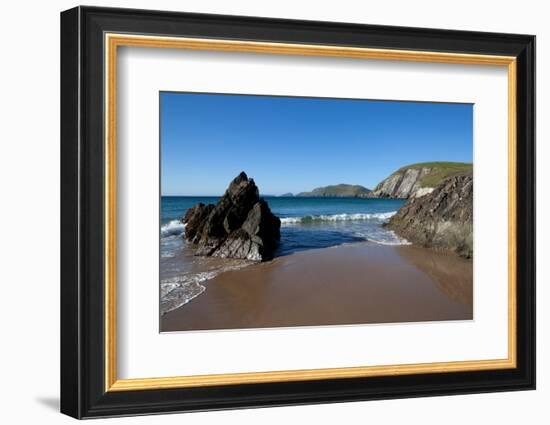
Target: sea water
306,223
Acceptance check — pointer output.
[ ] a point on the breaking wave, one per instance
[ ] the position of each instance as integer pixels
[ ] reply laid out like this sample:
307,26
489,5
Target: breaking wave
382,237
338,217
173,228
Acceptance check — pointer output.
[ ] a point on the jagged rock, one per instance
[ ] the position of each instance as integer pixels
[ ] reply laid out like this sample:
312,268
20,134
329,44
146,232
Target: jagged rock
240,225
239,244
442,219
422,191
194,219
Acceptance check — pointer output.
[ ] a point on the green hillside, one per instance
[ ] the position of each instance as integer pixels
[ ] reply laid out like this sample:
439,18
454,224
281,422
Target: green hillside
440,170
339,190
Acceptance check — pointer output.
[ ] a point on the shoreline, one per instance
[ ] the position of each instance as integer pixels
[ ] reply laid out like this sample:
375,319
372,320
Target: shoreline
355,283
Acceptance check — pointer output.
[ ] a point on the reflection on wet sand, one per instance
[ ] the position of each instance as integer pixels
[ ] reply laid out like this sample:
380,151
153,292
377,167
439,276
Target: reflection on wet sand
451,274
350,284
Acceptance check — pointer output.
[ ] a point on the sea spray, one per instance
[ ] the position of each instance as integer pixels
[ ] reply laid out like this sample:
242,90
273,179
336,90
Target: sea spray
172,228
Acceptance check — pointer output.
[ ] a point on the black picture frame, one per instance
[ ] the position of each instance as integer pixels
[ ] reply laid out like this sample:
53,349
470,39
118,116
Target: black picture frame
83,392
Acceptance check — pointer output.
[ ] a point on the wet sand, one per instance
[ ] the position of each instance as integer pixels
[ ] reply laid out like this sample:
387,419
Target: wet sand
351,284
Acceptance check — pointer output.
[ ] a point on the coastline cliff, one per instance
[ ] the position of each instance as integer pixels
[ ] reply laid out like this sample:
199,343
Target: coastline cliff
416,180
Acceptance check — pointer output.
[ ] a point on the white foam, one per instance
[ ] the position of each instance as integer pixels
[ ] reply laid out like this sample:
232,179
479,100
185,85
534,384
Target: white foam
338,217
177,291
173,228
176,294
383,237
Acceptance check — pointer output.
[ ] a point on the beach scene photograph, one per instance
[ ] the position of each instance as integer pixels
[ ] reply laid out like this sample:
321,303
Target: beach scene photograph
281,211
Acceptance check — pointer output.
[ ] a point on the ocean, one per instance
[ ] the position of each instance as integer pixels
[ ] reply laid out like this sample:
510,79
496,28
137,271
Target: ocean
306,223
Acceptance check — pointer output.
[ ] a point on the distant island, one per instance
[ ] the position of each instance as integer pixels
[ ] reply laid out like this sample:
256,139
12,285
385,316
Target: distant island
287,195
410,181
338,191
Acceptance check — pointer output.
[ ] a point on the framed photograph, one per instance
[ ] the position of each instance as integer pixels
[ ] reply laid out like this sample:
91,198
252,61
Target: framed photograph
261,212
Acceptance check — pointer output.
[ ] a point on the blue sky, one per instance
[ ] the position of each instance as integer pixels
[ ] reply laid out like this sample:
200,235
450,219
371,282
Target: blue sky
293,144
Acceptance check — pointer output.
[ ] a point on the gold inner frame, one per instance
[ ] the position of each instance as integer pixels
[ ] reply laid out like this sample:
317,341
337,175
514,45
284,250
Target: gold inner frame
113,41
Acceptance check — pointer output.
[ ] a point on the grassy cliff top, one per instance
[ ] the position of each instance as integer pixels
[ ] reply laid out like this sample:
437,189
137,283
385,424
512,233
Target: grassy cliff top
338,190
440,170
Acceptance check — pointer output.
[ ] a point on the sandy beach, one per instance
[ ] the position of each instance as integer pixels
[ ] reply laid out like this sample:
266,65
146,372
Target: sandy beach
350,284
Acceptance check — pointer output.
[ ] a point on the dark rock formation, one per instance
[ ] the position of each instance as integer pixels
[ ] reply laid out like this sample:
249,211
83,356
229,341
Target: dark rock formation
442,219
240,225
195,219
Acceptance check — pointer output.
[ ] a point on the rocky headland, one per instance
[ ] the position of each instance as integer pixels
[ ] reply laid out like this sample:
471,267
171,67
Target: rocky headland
416,180
441,219
338,191
240,225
